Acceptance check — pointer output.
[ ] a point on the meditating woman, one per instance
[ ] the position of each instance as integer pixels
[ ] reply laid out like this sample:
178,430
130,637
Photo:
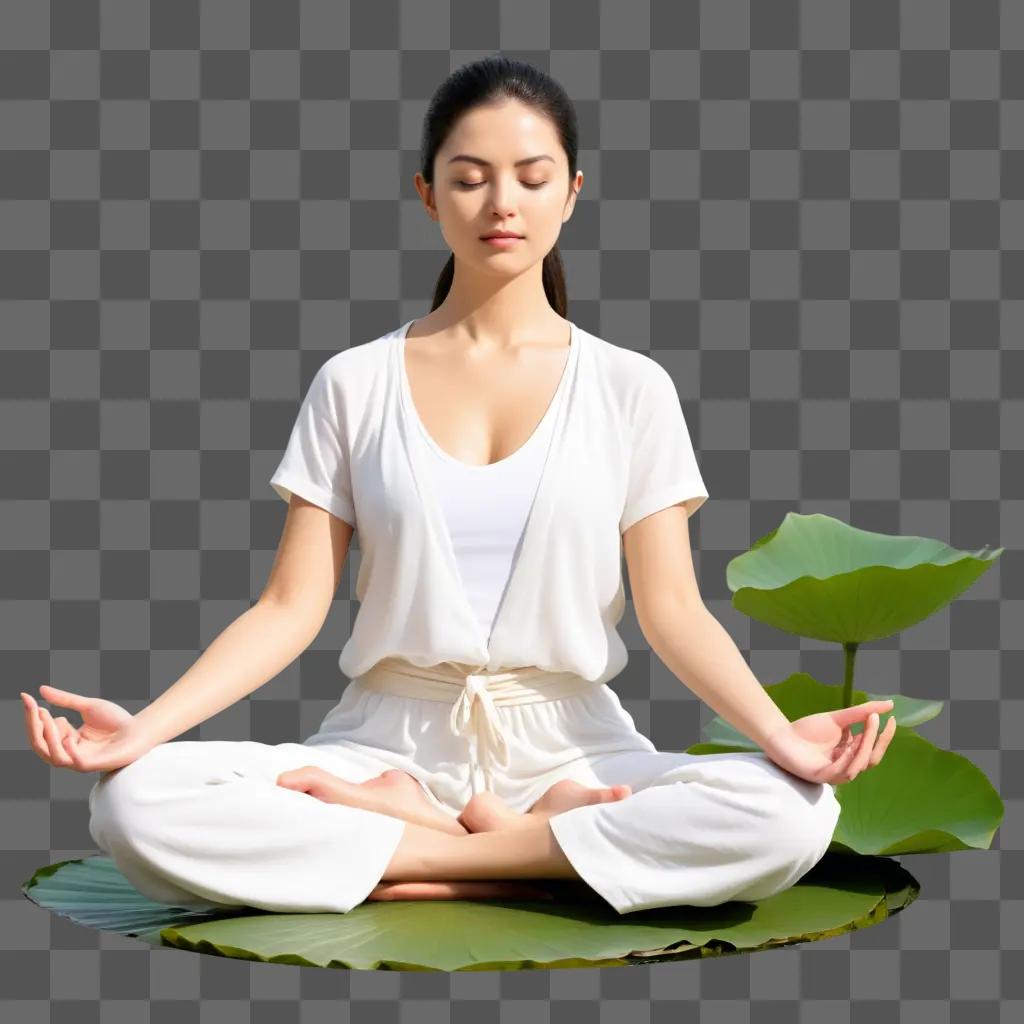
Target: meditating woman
497,461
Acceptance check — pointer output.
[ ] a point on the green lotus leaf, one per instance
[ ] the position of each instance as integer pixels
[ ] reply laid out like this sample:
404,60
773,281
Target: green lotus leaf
902,805
840,894
94,892
917,799
801,694
819,577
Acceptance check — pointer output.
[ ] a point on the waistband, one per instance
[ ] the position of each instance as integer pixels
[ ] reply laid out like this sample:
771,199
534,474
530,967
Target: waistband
476,696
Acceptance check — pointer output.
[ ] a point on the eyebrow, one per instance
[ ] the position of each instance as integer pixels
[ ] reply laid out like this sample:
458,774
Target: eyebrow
485,163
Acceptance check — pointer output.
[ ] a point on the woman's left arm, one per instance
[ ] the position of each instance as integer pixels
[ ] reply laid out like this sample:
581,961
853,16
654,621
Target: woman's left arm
683,633
700,652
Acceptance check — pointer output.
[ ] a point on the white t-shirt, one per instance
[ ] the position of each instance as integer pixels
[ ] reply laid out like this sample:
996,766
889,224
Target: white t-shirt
620,450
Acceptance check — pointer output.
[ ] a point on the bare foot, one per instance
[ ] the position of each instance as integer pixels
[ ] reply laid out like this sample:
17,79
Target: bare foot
402,796
393,792
487,812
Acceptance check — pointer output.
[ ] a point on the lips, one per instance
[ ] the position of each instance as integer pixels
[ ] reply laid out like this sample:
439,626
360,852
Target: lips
502,234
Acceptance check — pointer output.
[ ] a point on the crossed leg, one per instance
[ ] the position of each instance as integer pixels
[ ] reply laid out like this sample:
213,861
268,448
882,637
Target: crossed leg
187,824
399,794
488,813
699,830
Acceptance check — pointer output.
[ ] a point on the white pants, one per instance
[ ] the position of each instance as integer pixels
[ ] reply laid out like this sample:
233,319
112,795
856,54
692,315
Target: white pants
202,824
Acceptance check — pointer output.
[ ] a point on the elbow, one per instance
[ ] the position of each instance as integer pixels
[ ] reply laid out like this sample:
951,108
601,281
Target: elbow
669,618
304,617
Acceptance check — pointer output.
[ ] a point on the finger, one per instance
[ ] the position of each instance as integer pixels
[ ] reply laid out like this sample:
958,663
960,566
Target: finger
858,712
48,736
64,698
883,741
34,725
866,745
53,741
845,743
73,748
62,732
850,752
837,772
863,742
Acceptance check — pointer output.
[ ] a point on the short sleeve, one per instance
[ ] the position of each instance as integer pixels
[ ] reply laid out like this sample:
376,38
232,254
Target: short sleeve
315,464
663,468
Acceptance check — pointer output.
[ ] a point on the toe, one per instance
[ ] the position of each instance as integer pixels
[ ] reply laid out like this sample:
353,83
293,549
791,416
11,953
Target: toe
613,793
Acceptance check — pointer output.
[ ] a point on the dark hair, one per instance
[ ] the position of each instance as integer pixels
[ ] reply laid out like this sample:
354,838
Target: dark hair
492,80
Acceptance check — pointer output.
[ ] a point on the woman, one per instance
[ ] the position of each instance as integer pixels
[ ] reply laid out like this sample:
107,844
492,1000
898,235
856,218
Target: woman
494,457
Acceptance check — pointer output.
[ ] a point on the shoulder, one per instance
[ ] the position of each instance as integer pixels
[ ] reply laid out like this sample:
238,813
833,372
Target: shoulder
368,357
630,376
350,374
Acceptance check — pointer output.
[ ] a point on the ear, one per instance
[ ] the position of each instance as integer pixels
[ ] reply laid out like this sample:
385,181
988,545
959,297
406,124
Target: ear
426,194
574,191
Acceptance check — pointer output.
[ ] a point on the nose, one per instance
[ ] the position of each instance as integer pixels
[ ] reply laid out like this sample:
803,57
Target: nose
500,198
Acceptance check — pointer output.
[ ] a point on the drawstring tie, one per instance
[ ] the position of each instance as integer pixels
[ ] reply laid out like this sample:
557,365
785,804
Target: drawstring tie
475,716
476,698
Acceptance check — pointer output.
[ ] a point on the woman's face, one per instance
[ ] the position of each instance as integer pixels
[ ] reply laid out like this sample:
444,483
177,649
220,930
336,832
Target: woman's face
495,191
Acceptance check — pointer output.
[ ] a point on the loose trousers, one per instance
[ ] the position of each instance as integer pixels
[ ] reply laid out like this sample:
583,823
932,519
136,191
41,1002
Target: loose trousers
203,824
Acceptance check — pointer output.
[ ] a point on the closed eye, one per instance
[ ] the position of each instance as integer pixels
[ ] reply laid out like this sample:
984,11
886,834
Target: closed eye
477,184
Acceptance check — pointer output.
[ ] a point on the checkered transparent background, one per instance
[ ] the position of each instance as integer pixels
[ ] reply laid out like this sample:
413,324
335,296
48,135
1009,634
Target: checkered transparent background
811,213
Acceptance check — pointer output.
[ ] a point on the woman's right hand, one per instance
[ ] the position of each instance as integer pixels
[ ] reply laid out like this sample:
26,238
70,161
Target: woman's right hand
108,737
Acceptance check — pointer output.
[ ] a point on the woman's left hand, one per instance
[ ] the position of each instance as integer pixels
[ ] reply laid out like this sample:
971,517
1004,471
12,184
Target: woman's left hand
821,748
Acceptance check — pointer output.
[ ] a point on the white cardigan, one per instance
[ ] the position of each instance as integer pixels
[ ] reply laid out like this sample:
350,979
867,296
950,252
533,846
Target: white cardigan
485,508
621,450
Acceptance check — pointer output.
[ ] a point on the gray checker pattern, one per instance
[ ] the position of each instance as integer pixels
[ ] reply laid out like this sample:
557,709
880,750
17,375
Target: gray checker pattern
811,213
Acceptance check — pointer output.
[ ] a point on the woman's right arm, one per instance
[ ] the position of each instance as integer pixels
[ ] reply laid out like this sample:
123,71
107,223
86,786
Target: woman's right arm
267,637
251,650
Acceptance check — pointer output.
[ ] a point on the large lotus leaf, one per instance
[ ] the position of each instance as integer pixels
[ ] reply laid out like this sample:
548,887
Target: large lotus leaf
801,694
817,576
917,799
840,894
94,892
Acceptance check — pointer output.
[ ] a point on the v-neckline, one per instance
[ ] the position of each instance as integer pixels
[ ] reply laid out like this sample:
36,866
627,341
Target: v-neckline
431,505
